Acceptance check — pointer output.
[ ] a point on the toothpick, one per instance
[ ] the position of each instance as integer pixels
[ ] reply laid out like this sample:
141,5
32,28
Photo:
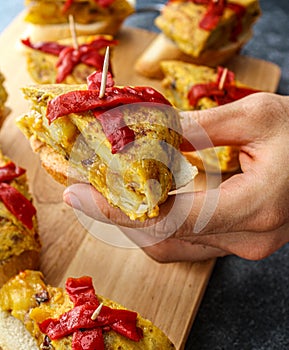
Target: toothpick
223,78
73,32
104,73
96,312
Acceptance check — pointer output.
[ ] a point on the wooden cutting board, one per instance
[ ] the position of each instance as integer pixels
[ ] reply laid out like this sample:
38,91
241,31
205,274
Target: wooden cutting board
169,295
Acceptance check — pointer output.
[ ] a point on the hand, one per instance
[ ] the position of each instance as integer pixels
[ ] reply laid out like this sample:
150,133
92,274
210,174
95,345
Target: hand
251,218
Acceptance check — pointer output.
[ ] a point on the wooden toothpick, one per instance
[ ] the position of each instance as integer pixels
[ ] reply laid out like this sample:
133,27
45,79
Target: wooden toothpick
223,79
73,32
96,312
104,73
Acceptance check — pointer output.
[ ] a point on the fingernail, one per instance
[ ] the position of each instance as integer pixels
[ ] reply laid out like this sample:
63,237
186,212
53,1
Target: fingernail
71,199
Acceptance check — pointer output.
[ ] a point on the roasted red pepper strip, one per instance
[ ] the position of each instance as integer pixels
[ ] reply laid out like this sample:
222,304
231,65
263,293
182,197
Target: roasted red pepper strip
94,80
112,123
79,101
213,15
68,57
86,53
80,318
48,47
10,171
90,339
17,204
81,291
228,93
88,333
128,329
67,5
86,100
118,134
215,12
199,91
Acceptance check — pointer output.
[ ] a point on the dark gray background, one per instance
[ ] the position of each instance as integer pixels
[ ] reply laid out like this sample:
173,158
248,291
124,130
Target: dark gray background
246,304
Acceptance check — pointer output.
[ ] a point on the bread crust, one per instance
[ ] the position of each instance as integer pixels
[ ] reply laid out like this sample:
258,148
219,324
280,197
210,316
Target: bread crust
28,259
55,164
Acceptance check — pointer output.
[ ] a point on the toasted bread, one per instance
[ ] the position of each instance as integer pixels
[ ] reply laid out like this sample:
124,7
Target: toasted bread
27,303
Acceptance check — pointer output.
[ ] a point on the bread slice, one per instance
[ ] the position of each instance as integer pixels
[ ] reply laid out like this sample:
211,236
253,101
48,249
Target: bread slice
136,179
14,335
27,302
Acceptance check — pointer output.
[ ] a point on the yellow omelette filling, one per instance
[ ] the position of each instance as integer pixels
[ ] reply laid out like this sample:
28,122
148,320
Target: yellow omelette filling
84,12
3,92
180,77
136,180
3,98
29,299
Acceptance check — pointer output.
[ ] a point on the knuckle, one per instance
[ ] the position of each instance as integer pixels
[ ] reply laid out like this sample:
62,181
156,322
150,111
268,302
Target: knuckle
271,219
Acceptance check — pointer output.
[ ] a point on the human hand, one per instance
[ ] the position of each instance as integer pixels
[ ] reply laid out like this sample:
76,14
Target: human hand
251,216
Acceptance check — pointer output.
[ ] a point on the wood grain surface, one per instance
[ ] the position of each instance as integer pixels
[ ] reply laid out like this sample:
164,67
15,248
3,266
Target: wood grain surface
167,294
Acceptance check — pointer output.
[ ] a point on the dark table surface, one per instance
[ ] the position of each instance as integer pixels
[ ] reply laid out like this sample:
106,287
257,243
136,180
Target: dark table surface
246,304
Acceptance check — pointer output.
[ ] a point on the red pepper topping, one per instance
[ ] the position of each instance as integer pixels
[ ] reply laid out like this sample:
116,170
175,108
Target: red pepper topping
13,200
215,11
112,122
10,171
81,291
88,333
101,3
68,57
117,133
17,204
213,15
48,47
229,92
88,339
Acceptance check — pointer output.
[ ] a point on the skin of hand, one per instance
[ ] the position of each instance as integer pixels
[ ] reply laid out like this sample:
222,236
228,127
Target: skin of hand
251,217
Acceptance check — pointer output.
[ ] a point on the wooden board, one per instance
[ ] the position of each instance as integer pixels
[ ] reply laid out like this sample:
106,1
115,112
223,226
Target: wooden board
169,295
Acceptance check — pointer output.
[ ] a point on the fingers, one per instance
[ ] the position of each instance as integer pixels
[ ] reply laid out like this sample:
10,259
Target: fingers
236,123
182,215
229,230
247,245
85,198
